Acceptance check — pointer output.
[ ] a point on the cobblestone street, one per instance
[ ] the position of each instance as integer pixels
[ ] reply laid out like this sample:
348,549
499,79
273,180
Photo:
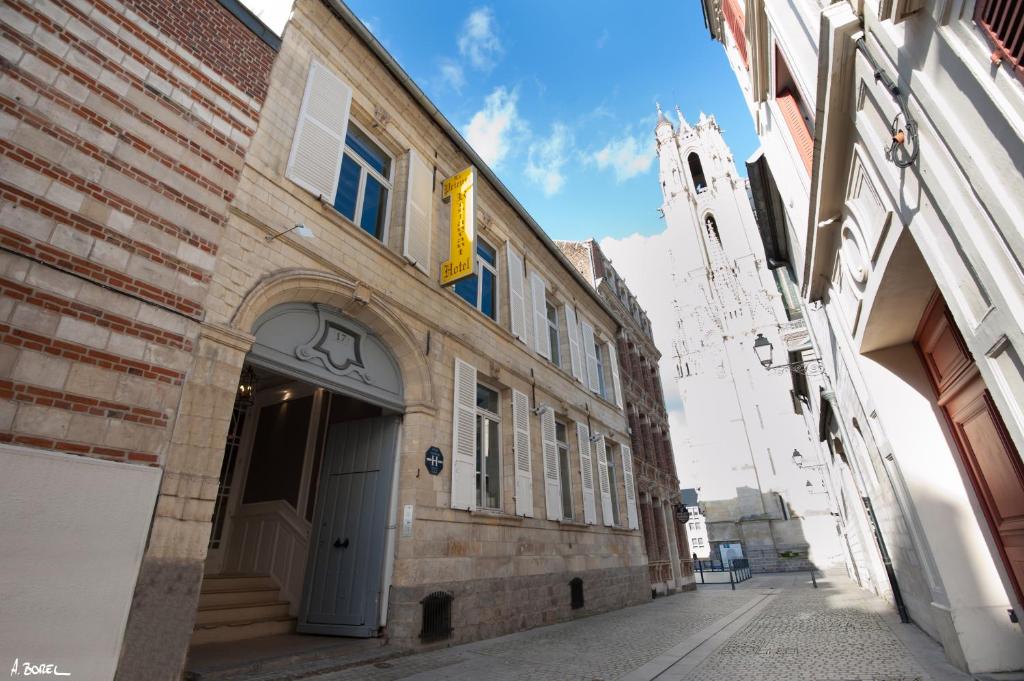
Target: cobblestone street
771,627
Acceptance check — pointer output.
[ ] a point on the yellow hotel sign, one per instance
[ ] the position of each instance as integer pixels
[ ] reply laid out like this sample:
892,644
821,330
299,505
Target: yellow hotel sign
461,257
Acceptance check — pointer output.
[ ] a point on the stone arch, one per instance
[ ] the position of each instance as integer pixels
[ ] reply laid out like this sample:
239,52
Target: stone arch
356,301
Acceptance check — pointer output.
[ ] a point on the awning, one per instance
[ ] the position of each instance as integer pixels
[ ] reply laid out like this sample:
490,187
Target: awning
771,221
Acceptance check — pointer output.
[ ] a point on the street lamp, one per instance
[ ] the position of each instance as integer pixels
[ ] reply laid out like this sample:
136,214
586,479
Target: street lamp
763,350
247,386
798,459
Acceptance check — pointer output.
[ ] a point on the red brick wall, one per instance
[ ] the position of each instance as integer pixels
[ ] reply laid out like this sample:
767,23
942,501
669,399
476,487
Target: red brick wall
120,150
221,42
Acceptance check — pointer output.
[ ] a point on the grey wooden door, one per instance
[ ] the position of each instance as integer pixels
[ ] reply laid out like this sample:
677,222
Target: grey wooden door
346,555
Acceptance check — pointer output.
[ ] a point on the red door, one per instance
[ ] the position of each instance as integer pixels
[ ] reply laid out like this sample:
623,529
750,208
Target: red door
995,468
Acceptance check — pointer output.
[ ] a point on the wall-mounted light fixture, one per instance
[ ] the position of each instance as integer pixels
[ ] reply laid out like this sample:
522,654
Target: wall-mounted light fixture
247,386
300,229
763,350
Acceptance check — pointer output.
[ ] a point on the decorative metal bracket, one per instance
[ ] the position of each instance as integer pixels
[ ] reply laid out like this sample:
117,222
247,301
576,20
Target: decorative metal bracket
812,367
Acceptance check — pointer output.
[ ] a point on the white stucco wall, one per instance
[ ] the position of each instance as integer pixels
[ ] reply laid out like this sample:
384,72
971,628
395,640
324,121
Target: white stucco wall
72,533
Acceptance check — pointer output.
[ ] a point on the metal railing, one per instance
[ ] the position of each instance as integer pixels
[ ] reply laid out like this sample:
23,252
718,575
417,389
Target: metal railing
713,572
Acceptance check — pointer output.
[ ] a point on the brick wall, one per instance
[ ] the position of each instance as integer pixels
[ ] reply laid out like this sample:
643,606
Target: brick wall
121,144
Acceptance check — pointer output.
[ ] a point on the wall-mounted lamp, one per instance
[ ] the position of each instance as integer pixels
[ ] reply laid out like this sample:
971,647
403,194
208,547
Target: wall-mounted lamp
798,459
594,437
300,229
247,386
763,349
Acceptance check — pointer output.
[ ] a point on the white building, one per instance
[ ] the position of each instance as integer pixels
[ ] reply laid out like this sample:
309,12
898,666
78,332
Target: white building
696,525
889,190
741,428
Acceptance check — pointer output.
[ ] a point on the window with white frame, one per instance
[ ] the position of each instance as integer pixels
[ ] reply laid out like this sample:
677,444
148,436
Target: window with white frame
552,315
488,449
612,484
481,289
562,441
603,392
364,185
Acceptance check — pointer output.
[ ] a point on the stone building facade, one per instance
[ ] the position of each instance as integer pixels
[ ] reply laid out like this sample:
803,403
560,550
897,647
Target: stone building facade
889,189
739,431
223,311
654,463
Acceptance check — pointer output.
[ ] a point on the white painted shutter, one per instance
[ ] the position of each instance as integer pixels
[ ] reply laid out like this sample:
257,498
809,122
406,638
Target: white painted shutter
613,359
627,480
590,353
419,212
516,293
521,447
601,452
574,342
541,337
552,479
319,142
586,473
464,437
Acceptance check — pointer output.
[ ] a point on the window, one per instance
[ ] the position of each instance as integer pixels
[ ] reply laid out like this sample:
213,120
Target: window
481,289
696,172
1004,26
488,441
553,333
562,441
365,183
794,111
712,228
698,542
600,370
613,487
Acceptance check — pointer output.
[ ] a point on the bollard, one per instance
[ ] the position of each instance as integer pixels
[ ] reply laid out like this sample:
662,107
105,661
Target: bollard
813,580
732,583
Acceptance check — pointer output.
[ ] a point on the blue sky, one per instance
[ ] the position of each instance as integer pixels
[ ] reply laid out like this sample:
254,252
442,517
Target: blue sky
559,97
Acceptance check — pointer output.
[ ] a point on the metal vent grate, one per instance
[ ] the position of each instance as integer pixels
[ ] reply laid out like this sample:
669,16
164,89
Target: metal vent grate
437,616
576,593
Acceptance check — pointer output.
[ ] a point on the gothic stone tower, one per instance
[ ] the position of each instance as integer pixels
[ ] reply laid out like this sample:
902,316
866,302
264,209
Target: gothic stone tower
740,424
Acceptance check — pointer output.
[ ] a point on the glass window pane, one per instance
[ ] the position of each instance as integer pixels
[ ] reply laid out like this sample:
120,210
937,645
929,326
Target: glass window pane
488,303
466,289
479,459
486,399
563,471
486,252
493,480
614,488
375,198
368,151
560,433
348,188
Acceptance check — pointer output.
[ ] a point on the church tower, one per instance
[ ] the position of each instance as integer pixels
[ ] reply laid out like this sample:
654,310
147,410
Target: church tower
741,427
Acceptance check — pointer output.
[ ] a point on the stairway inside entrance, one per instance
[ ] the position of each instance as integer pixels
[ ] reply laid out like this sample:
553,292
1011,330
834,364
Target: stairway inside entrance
237,607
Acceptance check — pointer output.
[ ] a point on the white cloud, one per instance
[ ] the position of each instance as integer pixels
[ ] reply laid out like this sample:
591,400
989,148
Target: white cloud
546,158
452,74
479,43
492,129
627,156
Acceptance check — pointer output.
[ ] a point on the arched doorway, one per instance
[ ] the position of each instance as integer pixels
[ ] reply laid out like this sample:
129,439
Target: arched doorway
300,523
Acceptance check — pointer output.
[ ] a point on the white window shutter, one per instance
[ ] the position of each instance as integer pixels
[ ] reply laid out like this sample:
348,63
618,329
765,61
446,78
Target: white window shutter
590,353
463,494
319,142
627,480
601,453
521,447
586,473
516,293
613,359
573,328
419,212
552,476
538,296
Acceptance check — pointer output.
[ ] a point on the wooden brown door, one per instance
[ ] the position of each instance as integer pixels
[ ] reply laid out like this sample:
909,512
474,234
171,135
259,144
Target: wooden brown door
995,468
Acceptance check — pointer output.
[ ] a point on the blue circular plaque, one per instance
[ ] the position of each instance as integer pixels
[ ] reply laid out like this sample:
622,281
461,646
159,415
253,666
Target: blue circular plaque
434,460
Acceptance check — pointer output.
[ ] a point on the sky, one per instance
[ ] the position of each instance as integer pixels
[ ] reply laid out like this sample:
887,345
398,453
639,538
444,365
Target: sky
559,97
559,100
